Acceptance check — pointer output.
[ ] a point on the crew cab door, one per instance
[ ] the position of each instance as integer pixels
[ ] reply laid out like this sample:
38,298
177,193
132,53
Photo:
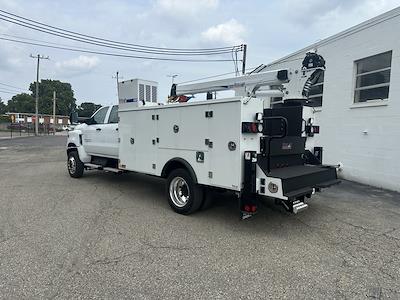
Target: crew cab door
93,134
110,134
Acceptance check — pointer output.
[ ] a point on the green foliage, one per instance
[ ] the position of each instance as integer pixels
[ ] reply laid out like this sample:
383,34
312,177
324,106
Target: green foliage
5,119
65,100
21,103
3,107
25,103
86,109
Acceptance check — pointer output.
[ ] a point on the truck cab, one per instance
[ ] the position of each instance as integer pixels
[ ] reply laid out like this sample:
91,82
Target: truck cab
97,136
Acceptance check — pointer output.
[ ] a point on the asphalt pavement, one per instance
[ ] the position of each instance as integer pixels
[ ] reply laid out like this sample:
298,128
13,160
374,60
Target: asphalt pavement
114,237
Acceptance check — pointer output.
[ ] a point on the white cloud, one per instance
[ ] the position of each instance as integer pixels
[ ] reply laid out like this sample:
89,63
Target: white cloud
81,64
231,32
334,12
187,7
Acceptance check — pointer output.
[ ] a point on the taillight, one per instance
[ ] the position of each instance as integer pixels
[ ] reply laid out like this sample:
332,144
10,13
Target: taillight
252,127
250,208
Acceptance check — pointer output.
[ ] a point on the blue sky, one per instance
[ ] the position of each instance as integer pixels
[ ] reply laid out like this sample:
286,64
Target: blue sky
271,29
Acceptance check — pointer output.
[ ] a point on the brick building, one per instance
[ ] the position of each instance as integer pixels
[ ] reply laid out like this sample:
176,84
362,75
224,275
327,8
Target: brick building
29,118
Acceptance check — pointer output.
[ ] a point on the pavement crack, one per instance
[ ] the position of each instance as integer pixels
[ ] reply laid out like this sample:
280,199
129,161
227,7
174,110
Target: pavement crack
170,247
113,260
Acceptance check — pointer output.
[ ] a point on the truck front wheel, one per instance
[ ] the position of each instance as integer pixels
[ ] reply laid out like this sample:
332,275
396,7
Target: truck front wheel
75,165
184,195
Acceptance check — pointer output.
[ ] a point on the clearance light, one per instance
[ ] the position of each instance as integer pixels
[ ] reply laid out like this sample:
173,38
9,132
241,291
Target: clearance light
259,116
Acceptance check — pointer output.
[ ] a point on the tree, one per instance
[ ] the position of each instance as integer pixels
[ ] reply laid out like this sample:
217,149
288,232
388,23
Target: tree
23,103
3,107
86,109
64,95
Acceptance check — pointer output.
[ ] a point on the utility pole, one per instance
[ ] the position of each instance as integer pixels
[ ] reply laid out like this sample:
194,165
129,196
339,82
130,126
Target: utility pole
38,57
117,77
54,112
172,78
244,59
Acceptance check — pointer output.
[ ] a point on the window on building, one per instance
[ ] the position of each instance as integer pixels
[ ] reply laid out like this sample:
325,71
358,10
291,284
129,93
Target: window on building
113,118
100,115
373,77
316,91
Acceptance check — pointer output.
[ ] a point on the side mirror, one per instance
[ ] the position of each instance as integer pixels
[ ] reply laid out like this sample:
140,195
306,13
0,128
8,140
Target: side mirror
73,117
88,121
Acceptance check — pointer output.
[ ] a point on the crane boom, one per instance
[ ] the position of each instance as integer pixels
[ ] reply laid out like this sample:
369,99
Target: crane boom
291,84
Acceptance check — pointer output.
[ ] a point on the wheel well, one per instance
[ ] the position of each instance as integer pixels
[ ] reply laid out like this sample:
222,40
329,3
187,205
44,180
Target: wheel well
71,147
178,163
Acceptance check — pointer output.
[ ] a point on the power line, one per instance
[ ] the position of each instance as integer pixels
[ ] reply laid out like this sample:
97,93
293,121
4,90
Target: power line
101,44
42,41
136,45
11,90
110,43
1,91
213,76
13,86
115,54
88,49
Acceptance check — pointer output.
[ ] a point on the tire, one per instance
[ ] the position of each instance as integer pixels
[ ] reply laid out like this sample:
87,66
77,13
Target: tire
184,195
75,165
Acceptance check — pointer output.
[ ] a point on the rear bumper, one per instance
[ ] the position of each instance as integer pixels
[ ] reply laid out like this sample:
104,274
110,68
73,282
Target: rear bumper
310,190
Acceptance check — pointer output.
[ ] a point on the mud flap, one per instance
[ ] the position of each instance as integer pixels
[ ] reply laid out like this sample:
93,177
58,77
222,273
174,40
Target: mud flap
248,198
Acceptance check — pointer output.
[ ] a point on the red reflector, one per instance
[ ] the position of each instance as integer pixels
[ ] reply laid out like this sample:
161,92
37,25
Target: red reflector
254,128
253,208
247,208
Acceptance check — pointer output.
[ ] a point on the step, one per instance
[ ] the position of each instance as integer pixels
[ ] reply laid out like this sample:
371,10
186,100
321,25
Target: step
114,170
93,166
299,206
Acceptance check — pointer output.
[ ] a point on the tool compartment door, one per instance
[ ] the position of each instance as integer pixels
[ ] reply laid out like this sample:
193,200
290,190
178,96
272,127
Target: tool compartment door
225,162
145,141
127,135
183,127
182,130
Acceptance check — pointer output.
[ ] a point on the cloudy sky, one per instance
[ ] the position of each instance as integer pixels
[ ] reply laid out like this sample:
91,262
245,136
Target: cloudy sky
271,29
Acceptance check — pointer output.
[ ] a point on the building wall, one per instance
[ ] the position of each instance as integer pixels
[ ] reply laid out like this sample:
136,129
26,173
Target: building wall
43,119
365,138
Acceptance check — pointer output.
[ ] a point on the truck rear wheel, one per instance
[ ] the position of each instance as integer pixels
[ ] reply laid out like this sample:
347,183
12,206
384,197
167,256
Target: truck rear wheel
184,195
75,165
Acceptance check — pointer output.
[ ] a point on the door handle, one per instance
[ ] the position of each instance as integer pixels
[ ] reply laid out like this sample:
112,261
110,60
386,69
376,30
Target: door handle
98,129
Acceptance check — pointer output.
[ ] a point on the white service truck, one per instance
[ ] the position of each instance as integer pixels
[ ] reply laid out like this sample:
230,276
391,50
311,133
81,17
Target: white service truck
226,144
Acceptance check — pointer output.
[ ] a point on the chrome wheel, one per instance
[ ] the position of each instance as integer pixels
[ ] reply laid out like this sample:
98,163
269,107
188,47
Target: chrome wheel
71,165
179,191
